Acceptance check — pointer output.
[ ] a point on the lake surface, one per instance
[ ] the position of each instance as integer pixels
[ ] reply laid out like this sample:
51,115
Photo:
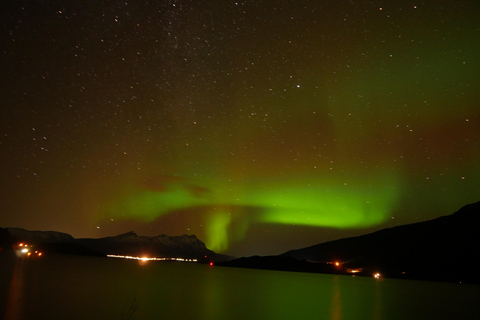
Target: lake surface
107,288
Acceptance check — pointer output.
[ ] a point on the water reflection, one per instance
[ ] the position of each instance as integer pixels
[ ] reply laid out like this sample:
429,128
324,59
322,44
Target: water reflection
377,301
15,291
336,304
98,288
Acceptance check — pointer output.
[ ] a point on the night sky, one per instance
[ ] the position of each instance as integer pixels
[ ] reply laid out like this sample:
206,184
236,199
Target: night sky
258,126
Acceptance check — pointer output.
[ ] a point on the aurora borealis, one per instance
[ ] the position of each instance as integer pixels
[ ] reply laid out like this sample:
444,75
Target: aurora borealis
258,126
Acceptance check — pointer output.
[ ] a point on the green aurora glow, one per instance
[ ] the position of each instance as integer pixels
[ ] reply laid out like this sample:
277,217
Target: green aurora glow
364,203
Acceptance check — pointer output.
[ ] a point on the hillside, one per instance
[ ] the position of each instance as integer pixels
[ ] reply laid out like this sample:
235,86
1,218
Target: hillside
444,249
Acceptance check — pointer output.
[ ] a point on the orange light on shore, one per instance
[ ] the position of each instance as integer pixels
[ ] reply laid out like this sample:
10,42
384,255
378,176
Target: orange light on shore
377,275
27,251
337,263
210,264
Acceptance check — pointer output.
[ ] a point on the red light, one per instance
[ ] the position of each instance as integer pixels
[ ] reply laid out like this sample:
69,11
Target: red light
210,264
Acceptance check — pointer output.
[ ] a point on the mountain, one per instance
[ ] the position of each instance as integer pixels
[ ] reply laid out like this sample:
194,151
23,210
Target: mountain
442,249
39,236
187,247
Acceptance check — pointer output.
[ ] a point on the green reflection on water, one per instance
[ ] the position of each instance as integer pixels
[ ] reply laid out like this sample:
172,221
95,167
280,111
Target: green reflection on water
96,288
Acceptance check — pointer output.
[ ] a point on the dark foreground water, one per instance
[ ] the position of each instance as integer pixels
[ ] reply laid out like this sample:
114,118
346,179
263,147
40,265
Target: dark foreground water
102,288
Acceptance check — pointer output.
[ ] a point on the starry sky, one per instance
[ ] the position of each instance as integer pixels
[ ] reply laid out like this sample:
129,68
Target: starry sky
259,126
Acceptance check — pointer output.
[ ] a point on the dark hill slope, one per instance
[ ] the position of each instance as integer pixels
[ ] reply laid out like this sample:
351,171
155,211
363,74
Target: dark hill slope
446,248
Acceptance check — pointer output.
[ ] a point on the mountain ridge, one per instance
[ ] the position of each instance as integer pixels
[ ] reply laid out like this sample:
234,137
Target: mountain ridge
129,243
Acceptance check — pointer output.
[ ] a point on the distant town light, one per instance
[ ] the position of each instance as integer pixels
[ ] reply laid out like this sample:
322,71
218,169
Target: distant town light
150,259
357,270
377,275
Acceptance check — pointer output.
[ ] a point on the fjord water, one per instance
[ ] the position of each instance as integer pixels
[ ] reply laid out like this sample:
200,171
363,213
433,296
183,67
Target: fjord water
106,288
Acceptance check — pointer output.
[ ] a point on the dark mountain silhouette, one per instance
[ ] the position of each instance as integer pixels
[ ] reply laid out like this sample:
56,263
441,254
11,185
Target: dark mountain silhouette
442,249
38,237
187,247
